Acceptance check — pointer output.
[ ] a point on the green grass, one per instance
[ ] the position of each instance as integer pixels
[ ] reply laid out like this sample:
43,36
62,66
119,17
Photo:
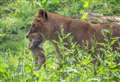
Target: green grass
16,60
77,64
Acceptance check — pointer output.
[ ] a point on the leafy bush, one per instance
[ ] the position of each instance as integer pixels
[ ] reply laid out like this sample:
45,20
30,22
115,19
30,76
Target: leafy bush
105,7
17,64
78,63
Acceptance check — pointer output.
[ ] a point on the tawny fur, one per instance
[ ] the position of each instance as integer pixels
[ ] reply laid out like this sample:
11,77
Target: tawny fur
35,40
49,24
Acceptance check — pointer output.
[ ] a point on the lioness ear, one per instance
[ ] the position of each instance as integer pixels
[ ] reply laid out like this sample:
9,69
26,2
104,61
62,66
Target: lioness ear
43,14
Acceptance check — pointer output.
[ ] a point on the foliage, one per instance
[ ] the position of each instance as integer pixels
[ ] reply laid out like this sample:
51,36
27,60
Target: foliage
106,7
16,61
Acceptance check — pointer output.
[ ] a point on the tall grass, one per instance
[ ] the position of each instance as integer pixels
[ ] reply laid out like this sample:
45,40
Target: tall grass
17,63
79,64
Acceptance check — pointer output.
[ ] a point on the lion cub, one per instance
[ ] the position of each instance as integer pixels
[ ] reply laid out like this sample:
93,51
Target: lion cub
35,40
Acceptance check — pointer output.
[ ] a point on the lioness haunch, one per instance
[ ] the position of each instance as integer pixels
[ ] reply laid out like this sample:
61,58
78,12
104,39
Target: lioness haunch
48,25
35,40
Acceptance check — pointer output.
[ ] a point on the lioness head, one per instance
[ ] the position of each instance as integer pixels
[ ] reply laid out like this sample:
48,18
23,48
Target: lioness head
37,28
38,24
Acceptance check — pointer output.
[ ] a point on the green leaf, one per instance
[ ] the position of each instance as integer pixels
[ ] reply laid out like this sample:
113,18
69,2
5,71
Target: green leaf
55,1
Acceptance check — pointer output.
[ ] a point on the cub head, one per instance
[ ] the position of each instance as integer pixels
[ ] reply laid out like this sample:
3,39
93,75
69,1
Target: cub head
39,23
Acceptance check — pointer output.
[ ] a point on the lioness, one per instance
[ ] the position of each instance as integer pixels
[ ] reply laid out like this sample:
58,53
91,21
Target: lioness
48,25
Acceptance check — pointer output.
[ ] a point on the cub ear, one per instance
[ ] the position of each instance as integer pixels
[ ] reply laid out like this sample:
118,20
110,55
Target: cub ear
43,14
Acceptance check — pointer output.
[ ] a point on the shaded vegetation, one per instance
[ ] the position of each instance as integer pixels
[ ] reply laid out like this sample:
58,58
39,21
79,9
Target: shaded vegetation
16,62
